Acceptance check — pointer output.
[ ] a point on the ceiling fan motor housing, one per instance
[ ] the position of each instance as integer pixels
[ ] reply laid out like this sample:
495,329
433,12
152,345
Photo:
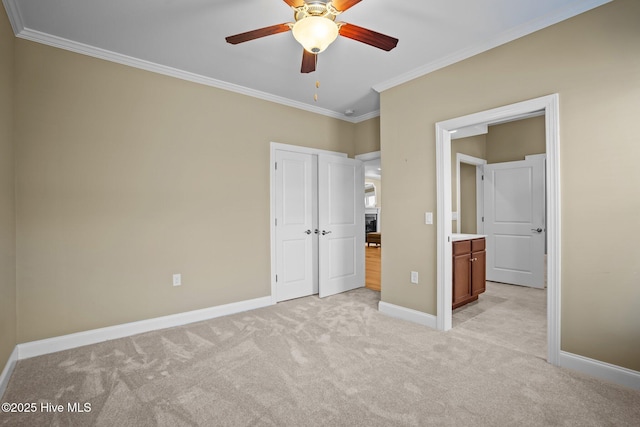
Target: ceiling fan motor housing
315,27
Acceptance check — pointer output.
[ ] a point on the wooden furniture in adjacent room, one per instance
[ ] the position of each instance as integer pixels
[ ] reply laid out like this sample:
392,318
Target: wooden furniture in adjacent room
375,238
469,270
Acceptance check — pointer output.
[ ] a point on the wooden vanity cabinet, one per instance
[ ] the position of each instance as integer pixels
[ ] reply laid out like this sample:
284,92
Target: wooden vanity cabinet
469,271
478,267
461,284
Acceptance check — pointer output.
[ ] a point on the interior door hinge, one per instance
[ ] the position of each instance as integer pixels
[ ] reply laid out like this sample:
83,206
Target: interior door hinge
482,219
482,177
276,165
276,278
276,222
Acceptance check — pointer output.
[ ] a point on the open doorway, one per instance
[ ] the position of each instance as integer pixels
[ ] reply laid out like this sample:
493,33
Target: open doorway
499,193
373,216
494,174
547,105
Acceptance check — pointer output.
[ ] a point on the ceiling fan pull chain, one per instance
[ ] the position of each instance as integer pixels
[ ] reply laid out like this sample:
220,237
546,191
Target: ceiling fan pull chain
315,96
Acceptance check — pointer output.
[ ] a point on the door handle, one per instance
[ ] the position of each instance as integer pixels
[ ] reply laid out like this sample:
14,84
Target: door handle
325,232
308,232
537,230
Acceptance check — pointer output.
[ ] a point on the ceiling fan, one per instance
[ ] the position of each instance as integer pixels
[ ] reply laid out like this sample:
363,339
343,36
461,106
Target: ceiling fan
315,28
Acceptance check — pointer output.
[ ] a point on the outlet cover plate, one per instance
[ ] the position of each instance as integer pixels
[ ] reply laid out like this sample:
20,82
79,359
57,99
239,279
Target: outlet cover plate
428,218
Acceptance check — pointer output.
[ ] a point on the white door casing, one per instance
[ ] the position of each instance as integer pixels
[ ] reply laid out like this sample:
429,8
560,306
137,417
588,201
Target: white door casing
550,106
296,221
514,206
341,223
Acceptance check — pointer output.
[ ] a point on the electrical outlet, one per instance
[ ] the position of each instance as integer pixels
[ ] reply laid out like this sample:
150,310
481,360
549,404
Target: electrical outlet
414,277
177,279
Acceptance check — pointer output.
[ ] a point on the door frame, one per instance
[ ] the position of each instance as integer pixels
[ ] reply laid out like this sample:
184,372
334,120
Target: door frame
549,105
275,146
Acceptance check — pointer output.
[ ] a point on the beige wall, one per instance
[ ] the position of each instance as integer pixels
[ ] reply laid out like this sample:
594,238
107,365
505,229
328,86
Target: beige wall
125,177
7,204
367,136
512,141
593,62
468,199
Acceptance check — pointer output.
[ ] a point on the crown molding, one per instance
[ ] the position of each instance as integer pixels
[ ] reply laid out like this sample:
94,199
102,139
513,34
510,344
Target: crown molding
15,18
576,8
107,55
364,117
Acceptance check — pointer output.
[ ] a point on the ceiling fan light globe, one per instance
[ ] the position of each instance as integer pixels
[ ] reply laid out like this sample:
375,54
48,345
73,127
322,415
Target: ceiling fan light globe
315,33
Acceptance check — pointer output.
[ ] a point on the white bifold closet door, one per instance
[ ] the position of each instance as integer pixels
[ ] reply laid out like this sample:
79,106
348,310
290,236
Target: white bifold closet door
319,224
341,220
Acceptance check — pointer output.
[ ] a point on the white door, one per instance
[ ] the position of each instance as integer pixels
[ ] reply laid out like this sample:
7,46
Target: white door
341,224
296,221
514,205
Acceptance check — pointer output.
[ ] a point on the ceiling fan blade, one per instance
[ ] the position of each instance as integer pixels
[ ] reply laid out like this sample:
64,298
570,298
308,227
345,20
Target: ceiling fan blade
343,5
256,34
294,3
369,37
309,61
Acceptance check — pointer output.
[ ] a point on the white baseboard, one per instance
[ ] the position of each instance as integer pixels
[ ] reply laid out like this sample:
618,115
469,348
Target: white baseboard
602,370
408,314
94,336
7,371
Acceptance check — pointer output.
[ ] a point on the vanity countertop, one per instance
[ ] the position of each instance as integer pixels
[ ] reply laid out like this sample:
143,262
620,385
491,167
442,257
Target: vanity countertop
457,236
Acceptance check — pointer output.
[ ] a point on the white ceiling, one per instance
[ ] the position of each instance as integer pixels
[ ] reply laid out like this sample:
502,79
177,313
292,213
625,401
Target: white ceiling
186,39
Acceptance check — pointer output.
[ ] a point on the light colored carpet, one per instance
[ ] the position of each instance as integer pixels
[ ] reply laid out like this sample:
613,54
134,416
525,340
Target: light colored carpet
507,315
308,362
